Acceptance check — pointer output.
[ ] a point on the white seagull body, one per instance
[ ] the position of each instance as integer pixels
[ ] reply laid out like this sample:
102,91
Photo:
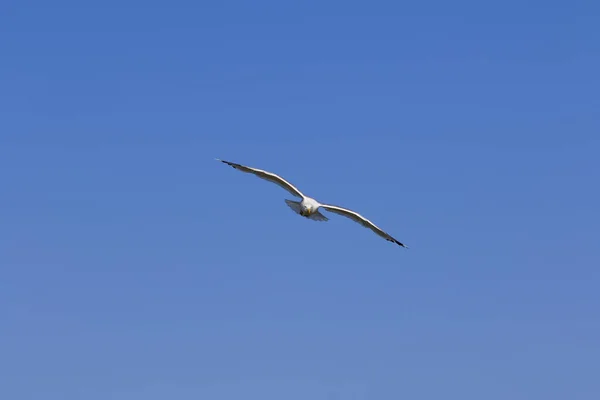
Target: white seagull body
309,207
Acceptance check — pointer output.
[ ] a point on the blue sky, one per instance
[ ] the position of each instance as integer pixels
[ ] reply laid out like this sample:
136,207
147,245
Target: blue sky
135,266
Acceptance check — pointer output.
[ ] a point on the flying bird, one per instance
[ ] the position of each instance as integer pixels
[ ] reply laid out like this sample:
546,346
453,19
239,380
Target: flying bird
309,207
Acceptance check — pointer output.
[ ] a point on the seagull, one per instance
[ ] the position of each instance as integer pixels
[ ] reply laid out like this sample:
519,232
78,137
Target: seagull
309,207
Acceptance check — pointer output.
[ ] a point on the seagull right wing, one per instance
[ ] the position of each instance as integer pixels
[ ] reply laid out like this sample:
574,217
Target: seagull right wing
269,176
353,215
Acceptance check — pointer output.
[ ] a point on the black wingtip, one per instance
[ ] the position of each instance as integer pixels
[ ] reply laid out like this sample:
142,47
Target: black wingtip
401,244
226,162
391,239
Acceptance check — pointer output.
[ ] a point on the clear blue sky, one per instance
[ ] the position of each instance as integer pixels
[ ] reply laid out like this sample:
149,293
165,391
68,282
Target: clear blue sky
133,266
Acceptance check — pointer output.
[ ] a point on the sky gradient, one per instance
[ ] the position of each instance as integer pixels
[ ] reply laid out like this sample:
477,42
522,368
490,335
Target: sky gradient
133,266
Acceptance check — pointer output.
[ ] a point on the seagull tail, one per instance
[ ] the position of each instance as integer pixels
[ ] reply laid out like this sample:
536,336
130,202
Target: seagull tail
294,205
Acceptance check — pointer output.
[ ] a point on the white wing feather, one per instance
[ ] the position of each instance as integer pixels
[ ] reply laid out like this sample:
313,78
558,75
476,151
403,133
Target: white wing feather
269,176
361,220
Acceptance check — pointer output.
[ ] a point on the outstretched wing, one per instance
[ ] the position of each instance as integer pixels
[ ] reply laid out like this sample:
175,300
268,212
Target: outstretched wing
269,176
361,220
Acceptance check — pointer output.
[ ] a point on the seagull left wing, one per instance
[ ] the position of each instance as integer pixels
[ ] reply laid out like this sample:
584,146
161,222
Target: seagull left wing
361,220
269,176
